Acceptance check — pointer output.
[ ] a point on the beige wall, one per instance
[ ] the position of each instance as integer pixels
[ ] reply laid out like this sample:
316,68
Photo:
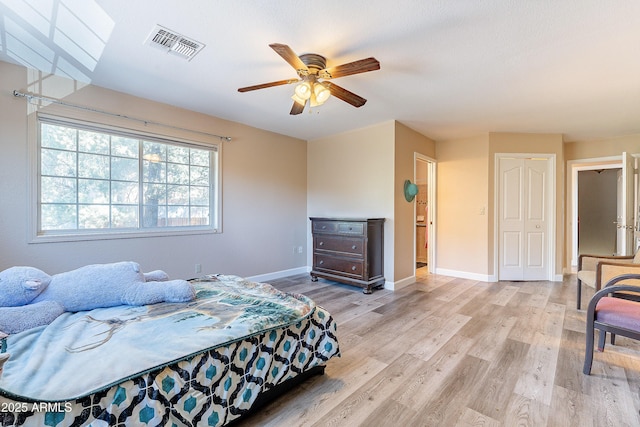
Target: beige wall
463,208
351,175
602,148
361,174
263,190
407,143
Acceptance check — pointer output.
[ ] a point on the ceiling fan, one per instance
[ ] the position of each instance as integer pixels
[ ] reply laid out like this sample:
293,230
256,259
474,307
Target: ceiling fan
313,75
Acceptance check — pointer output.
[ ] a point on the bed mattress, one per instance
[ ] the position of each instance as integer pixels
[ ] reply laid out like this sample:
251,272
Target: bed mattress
199,363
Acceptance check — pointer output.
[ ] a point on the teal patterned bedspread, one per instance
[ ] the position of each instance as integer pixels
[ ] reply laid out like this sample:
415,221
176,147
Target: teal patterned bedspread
83,353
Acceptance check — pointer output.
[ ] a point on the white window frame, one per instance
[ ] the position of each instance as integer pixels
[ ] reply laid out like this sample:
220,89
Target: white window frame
40,236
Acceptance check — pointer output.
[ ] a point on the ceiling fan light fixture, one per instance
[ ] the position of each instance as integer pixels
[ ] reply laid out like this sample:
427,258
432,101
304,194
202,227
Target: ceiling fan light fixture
321,93
303,90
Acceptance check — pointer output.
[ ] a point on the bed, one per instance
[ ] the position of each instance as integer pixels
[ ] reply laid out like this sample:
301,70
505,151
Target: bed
202,363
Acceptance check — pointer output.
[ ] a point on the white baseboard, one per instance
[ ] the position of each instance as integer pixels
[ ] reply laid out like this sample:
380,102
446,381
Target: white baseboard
490,278
278,274
466,275
394,286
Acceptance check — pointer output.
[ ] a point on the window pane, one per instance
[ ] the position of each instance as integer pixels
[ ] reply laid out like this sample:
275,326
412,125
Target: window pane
154,152
93,166
155,216
93,216
154,171
55,136
124,216
93,191
124,147
199,216
200,196
58,190
199,175
200,157
58,217
57,163
178,216
178,195
125,193
155,194
177,174
124,169
178,154
93,142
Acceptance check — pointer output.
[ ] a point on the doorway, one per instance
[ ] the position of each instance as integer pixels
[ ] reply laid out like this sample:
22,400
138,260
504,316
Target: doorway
626,200
597,211
424,214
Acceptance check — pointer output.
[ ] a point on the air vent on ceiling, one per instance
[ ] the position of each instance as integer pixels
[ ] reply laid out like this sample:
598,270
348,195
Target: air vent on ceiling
174,43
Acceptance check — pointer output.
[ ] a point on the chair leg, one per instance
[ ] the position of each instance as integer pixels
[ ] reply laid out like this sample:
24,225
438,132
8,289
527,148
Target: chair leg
601,340
579,294
613,338
588,351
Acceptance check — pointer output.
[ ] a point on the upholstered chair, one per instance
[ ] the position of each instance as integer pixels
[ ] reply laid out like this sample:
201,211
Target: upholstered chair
595,270
608,313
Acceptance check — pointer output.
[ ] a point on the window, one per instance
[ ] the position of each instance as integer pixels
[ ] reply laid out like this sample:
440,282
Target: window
107,181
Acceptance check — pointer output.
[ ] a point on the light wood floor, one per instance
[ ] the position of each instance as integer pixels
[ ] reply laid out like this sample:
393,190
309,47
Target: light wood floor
456,352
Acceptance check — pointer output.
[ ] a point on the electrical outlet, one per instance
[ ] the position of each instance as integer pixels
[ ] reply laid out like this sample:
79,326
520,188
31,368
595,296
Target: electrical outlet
299,249
198,268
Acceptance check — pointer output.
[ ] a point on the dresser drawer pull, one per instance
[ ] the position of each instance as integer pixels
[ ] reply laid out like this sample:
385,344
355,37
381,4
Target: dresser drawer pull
324,227
321,262
320,243
354,247
354,268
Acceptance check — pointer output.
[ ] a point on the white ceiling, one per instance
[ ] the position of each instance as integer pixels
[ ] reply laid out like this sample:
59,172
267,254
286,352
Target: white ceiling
449,68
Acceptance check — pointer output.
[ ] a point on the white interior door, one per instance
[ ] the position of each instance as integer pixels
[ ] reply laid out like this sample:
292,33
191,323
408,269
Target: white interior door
524,220
625,216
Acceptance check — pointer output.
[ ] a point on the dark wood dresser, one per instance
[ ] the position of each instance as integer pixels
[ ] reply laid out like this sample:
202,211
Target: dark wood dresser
348,250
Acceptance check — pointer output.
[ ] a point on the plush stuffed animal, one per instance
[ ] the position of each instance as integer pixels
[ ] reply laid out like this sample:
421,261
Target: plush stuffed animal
18,319
89,287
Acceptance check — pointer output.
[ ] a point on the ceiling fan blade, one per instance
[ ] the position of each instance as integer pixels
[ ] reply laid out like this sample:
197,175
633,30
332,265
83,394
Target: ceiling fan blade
356,67
266,85
345,95
296,108
289,55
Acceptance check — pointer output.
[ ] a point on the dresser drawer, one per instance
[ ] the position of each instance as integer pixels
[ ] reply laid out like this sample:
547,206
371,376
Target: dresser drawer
335,227
332,243
348,267
351,228
325,227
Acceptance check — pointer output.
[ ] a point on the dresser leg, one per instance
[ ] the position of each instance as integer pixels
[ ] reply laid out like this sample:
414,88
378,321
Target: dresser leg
314,278
367,290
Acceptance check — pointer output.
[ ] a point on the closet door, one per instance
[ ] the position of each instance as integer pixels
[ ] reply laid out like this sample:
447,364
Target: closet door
523,218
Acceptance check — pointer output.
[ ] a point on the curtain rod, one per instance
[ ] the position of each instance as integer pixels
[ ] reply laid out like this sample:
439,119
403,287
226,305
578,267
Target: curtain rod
30,96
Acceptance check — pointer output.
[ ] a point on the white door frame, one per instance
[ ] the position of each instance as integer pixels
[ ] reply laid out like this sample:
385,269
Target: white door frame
551,212
431,212
575,166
